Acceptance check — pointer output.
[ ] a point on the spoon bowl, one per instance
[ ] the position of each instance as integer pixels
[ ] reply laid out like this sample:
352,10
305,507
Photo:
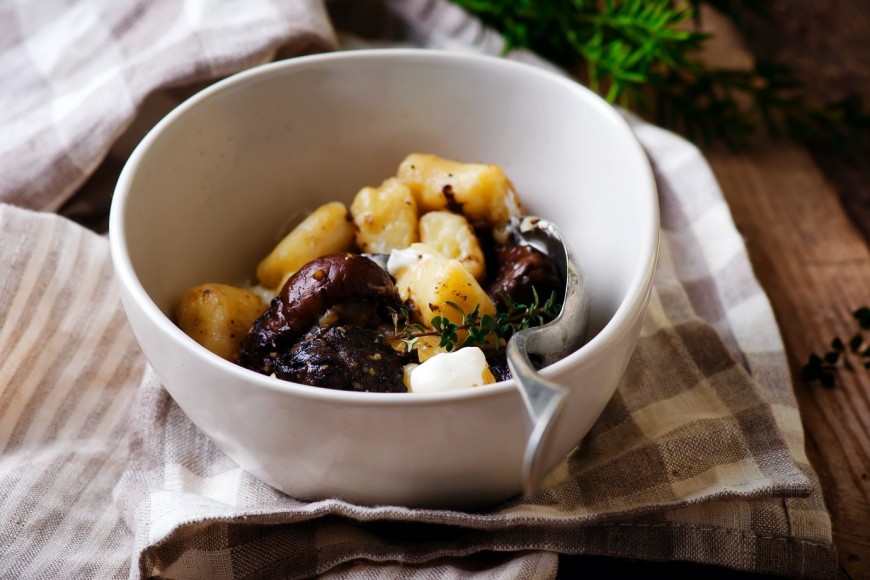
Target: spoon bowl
544,399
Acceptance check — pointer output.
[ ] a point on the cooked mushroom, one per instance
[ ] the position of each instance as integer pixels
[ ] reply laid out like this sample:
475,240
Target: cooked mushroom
520,268
349,287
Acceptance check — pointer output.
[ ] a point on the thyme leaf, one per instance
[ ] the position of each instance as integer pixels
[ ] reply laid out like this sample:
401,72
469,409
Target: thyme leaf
823,368
479,329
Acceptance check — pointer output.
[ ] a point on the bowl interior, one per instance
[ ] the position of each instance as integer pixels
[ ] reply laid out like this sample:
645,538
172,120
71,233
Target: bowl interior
216,184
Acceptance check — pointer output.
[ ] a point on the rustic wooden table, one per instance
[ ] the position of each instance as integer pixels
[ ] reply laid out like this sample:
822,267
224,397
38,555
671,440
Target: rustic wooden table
804,214
815,266
805,228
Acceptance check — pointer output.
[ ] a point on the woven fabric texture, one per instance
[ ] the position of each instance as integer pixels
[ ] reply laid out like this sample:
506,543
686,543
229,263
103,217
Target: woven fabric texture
699,456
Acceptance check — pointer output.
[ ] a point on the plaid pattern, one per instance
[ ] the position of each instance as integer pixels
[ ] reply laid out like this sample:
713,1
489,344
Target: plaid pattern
67,379
74,74
699,456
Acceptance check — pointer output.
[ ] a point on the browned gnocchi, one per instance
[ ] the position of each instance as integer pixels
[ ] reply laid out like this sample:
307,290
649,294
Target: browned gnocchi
435,230
385,217
218,316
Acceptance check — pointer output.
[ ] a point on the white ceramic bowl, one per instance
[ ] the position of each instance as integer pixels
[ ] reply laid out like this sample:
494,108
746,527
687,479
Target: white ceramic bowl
206,194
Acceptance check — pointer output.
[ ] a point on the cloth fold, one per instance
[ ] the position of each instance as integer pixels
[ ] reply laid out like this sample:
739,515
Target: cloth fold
699,456
74,75
688,455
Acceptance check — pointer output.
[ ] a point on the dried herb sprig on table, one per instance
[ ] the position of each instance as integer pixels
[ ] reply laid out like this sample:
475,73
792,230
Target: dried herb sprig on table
823,368
481,329
645,55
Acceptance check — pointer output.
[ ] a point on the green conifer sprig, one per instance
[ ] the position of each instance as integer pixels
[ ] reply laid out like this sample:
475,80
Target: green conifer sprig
645,56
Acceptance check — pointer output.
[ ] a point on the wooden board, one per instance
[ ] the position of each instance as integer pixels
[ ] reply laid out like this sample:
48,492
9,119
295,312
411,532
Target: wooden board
804,214
815,267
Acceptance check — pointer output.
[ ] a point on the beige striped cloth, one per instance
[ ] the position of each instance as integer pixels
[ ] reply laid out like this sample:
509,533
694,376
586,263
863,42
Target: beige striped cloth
73,74
699,456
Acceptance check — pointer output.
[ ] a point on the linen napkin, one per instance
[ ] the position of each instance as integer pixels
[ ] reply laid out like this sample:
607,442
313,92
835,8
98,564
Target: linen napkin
690,460
698,457
74,74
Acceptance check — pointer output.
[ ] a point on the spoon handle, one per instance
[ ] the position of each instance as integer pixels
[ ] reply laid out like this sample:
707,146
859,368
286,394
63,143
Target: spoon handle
544,401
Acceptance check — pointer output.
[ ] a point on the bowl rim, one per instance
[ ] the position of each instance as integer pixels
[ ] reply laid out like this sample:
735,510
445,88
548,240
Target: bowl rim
629,309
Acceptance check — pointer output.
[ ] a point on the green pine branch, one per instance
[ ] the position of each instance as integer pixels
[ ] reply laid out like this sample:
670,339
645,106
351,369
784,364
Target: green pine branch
644,55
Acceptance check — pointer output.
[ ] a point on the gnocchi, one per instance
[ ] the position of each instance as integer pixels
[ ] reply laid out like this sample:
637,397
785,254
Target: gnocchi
329,321
218,316
481,192
385,217
433,283
452,236
327,230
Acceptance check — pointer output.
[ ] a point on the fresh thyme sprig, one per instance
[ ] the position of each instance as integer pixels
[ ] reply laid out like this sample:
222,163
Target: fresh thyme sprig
480,329
823,368
645,56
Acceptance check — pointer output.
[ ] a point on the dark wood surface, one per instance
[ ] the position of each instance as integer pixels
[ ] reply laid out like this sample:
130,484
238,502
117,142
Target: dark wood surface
815,267
827,45
804,213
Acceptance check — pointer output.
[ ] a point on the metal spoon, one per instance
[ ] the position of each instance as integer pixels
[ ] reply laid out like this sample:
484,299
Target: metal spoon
545,399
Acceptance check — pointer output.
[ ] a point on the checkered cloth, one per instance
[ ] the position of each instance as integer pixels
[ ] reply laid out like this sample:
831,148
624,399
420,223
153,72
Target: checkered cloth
698,457
74,74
